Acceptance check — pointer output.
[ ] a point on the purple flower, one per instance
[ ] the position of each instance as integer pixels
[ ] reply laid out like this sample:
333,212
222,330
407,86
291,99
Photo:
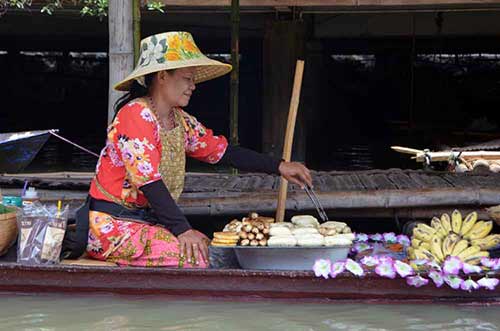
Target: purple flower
453,281
434,265
488,283
386,269
469,285
386,259
322,268
403,269
376,237
127,155
437,278
354,268
403,240
361,237
370,261
452,265
417,281
145,168
359,247
390,237
471,269
337,268
487,262
497,264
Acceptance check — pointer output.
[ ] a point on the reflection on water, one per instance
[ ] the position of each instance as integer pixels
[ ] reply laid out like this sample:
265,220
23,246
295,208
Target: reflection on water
108,312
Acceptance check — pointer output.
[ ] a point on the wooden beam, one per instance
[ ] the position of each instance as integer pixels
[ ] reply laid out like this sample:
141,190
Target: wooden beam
325,3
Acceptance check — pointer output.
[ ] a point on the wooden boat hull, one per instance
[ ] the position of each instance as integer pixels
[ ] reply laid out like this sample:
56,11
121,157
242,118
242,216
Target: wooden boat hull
225,283
17,154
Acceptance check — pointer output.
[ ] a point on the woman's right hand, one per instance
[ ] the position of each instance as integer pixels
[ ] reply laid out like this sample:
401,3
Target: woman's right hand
191,243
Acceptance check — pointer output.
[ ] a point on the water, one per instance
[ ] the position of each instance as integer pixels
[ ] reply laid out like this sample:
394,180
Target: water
113,312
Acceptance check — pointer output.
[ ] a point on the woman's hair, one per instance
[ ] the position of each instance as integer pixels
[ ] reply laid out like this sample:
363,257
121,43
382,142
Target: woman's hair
136,91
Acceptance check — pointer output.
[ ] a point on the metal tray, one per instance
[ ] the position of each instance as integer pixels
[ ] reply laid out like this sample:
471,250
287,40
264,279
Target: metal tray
287,258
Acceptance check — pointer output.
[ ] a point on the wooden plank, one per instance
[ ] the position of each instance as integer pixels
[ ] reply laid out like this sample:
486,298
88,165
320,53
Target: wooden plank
428,180
403,181
378,182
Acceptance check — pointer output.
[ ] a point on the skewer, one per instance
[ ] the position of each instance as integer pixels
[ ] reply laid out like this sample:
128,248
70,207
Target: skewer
314,198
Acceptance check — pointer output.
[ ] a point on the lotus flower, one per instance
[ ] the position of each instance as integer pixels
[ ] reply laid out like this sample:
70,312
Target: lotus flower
403,269
337,268
376,237
417,281
390,237
359,247
471,269
452,265
370,261
469,285
361,237
386,269
322,268
403,240
488,283
354,268
453,281
437,278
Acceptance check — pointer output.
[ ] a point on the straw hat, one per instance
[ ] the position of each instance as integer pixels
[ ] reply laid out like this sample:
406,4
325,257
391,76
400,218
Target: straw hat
173,50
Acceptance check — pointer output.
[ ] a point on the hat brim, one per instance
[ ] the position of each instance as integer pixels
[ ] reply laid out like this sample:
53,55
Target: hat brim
206,69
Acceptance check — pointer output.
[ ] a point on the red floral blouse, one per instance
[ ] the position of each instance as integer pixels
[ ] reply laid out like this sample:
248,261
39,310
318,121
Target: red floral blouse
132,154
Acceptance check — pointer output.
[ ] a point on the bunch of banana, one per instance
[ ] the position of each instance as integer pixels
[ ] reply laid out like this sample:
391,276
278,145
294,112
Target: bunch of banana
468,238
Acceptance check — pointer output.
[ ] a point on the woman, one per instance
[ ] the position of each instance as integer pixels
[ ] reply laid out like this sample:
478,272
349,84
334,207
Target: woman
134,219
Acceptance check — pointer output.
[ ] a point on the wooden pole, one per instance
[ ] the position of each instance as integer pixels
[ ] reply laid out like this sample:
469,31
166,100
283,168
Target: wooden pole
290,127
136,12
121,48
235,74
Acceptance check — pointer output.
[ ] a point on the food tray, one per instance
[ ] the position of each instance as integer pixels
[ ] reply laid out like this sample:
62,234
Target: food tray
287,258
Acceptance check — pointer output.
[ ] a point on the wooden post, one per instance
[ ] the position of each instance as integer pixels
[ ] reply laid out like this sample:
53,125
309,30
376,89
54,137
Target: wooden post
290,127
235,60
121,48
136,14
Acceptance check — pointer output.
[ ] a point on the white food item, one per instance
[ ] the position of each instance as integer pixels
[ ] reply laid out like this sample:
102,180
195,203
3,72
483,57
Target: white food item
280,231
304,221
301,231
310,240
282,241
327,231
333,224
282,224
337,241
348,236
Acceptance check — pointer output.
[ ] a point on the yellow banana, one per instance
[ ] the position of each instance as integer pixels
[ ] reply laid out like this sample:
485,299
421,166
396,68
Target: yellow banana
425,245
411,253
480,230
415,243
423,232
436,249
449,243
456,221
436,224
489,242
459,247
468,252
468,223
421,253
476,258
446,222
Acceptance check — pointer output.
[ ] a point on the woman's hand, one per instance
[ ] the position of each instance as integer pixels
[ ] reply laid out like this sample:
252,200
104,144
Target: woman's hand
296,173
191,242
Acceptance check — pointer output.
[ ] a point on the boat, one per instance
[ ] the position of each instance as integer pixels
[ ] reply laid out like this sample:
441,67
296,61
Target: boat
18,149
234,284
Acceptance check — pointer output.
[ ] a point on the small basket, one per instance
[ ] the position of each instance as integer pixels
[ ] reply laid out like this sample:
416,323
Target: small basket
8,231
494,213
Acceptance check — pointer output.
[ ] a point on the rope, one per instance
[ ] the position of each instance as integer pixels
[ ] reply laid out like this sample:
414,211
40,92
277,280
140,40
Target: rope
52,132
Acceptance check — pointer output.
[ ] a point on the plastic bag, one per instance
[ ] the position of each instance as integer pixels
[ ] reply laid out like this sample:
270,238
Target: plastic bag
41,232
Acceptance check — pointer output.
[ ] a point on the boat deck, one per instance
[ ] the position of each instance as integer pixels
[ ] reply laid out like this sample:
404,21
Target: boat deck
378,193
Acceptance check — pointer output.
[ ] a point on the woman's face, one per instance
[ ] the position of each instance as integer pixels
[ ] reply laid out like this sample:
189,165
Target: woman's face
177,86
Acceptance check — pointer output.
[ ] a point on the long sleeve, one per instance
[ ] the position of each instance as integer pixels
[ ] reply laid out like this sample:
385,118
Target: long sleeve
165,208
247,160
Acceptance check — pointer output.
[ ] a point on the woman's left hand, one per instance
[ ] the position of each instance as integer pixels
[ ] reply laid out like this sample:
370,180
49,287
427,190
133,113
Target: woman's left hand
296,173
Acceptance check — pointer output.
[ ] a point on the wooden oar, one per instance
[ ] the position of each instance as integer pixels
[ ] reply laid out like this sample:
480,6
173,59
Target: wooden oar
290,127
406,150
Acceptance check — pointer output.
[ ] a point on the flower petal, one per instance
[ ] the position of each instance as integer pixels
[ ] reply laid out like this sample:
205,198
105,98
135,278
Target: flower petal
376,237
403,240
337,268
469,285
453,281
471,269
389,237
361,237
322,268
386,269
437,278
488,283
403,269
370,261
354,268
417,281
452,265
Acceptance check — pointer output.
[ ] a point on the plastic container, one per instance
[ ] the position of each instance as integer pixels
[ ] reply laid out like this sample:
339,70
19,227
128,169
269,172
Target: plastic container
30,196
287,258
9,200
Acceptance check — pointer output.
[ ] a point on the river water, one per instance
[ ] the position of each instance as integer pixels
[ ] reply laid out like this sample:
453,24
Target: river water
114,312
